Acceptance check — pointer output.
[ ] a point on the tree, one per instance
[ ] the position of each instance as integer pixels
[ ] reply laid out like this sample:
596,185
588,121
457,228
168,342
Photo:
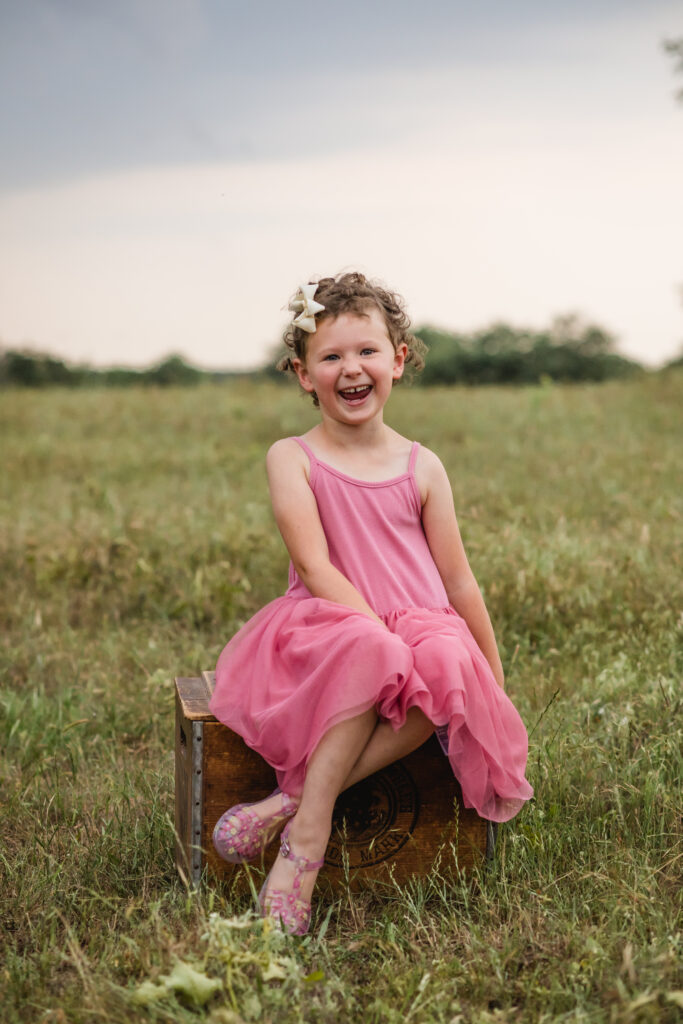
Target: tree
572,349
675,48
173,370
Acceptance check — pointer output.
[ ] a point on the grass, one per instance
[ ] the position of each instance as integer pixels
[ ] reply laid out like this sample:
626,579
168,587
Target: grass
136,538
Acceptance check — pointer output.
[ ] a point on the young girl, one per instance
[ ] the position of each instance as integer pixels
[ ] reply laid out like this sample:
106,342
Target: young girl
383,635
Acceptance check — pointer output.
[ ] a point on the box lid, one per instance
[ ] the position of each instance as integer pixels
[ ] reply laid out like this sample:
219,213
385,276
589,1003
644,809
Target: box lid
194,694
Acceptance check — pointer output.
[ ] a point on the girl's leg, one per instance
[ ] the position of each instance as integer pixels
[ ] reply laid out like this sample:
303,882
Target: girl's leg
386,745
383,747
349,752
326,772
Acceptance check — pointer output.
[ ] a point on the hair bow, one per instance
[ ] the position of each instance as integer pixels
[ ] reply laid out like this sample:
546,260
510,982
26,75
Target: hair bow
305,305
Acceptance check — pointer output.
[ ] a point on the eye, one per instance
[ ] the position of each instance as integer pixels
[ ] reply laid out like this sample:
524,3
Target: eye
368,351
330,356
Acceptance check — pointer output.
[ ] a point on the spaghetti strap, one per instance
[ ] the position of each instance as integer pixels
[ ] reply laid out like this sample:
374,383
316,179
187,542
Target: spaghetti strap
413,457
300,441
312,461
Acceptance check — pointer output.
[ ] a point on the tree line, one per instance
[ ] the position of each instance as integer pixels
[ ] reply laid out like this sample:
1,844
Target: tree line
34,370
569,350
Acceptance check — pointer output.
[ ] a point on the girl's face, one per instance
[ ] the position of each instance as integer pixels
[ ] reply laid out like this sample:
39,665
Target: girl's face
351,365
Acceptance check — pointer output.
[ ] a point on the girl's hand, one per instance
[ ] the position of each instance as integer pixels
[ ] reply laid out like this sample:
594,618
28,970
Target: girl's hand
445,543
298,520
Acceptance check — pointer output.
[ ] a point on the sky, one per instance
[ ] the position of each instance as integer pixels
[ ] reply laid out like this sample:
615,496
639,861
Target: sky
171,170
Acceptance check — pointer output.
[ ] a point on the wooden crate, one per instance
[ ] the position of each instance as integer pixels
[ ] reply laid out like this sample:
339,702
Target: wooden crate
393,823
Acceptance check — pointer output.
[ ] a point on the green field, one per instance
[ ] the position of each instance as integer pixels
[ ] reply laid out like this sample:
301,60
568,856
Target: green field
136,537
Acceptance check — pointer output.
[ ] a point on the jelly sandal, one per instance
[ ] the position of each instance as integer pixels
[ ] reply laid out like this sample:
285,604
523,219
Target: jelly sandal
241,835
288,908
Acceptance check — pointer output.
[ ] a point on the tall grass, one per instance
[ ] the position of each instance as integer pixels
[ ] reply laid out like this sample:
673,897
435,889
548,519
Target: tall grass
136,537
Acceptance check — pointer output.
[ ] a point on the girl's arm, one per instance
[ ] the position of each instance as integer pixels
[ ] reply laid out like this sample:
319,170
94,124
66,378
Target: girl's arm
443,536
297,517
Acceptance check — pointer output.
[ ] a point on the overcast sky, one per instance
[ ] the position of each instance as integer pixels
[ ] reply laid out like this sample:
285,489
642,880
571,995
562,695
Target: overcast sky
170,170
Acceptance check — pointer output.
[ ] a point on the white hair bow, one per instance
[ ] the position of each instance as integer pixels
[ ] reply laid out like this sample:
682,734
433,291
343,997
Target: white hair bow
305,305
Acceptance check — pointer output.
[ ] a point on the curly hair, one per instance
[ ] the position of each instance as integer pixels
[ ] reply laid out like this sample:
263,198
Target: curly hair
354,293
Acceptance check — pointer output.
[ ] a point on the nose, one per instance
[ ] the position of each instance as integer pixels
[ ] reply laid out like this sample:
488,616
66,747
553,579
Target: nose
352,366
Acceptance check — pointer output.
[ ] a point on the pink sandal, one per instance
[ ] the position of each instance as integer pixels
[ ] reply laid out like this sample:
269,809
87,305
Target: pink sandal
240,835
293,913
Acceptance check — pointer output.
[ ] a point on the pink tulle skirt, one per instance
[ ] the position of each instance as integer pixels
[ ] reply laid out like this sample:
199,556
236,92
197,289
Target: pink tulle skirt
301,665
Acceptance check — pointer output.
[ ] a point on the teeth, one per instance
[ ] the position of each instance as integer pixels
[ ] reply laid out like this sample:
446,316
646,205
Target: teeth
352,391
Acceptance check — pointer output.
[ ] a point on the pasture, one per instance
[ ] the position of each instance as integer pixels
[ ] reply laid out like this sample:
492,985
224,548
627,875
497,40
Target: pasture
136,537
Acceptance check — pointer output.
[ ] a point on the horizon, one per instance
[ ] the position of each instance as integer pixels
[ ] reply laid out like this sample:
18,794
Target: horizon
36,353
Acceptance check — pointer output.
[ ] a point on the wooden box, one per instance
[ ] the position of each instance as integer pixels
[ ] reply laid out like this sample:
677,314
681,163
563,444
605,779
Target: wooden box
391,824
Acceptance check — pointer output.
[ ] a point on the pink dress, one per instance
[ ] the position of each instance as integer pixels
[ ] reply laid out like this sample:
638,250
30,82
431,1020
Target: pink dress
302,663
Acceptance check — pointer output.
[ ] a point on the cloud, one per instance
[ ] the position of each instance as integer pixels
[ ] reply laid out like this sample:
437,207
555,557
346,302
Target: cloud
91,87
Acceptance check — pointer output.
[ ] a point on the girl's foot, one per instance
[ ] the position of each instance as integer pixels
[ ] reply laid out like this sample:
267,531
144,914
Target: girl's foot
286,892
245,830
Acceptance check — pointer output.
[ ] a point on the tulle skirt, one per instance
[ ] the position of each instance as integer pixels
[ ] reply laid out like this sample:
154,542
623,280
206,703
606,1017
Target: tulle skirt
301,665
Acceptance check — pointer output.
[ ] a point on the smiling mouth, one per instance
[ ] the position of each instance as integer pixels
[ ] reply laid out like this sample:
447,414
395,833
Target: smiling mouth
355,394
